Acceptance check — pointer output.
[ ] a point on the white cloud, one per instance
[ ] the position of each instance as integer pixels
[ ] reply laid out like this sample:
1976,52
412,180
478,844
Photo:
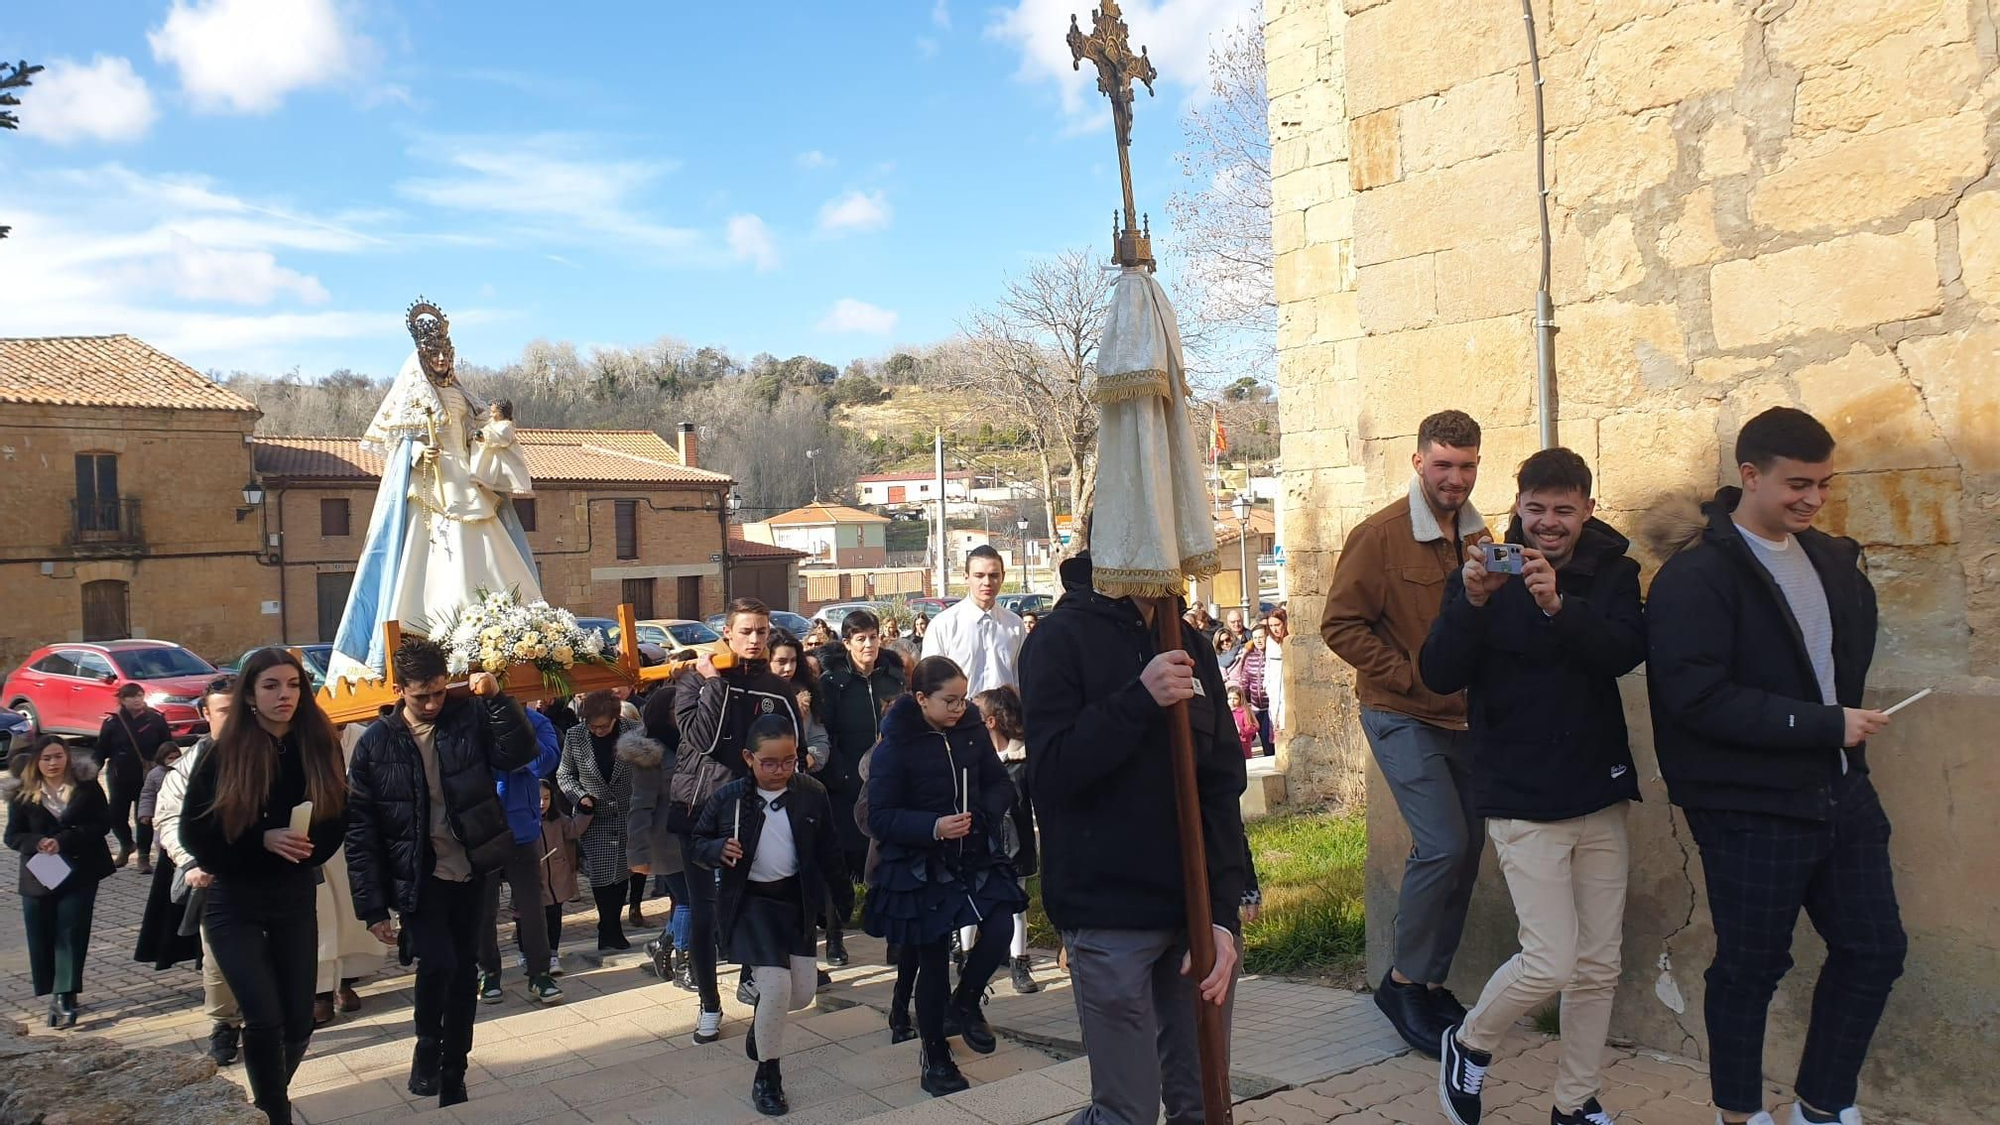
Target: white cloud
850,315
553,184
814,160
244,56
941,15
194,272
1176,34
103,101
855,211
750,240
927,46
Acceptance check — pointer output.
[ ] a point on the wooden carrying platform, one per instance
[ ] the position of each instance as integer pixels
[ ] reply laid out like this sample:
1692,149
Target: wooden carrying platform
363,702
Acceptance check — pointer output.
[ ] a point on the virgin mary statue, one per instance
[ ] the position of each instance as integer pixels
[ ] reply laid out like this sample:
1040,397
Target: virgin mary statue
438,535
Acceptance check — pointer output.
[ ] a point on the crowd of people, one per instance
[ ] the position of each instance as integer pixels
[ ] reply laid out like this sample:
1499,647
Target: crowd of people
939,770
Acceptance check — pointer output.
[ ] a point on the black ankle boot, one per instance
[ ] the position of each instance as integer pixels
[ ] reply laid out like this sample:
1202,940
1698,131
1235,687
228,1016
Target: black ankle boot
451,1088
965,1017
900,1029
684,971
66,1004
836,949
660,958
424,1067
767,1090
55,1012
937,1073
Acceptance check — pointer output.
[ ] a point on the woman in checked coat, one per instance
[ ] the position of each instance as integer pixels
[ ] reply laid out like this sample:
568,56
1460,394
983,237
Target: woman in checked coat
596,775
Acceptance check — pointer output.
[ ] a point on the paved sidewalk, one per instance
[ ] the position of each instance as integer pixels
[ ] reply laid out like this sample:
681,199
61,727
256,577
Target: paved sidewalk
618,1052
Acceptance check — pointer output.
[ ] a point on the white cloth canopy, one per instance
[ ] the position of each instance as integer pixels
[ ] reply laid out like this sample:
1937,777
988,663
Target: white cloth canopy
1150,530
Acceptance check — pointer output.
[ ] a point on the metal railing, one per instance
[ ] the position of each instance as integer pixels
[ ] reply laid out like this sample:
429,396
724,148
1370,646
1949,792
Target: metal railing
111,523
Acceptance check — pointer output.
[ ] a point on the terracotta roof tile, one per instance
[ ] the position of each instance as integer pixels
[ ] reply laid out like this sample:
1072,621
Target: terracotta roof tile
567,456
105,371
1262,522
813,514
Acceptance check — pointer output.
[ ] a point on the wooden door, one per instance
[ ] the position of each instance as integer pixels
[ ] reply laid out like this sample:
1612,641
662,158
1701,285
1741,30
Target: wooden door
638,593
331,597
687,593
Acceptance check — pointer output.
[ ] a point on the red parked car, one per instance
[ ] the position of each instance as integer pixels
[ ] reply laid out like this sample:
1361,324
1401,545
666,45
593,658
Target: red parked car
71,688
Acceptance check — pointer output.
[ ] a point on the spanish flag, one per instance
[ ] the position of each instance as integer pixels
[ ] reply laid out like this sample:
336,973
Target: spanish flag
1218,438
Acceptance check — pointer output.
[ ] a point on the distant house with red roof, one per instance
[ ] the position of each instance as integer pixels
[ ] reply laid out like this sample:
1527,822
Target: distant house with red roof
832,535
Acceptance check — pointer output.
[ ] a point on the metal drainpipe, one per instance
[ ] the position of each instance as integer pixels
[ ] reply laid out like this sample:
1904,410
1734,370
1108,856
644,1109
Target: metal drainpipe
1545,323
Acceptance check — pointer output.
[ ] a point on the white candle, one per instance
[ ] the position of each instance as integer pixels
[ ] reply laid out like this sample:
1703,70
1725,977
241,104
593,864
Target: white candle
738,833
965,791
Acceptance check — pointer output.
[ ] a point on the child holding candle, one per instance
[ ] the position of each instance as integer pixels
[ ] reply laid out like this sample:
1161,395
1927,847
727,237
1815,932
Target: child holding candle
781,869
936,794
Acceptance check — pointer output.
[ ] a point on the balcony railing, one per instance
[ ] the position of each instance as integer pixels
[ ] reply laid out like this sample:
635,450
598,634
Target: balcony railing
104,524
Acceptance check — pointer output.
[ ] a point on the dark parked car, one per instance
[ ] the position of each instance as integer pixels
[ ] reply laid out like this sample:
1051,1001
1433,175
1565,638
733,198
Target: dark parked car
1027,603
17,734
70,688
316,658
784,619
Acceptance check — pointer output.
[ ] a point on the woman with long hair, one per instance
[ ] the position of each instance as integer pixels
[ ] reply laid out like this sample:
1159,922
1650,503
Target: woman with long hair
792,663
275,768
57,809
937,795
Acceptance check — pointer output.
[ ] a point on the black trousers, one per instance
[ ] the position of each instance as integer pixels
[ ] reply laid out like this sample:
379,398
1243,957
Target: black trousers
444,935
701,929
552,927
1761,870
610,900
635,891
264,934
124,778
59,935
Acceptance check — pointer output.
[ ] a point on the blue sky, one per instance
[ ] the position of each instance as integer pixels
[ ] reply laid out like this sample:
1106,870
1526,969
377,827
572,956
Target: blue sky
263,184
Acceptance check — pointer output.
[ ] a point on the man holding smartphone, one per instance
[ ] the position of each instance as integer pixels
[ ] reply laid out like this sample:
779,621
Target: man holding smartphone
1763,630
1538,655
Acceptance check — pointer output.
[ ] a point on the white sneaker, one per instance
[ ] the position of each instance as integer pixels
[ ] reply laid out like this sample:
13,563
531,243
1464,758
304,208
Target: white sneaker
1849,1116
1758,1118
521,961
708,1028
555,964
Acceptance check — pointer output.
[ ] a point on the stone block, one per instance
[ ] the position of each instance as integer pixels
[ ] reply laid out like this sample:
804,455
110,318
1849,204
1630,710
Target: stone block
1288,231
1874,412
1487,279
1853,179
1479,118
1925,71
1649,453
1293,70
1397,295
1584,22
1960,389
1476,201
1612,353
1611,160
1485,368
1691,239
1611,257
1902,508
1979,245
1312,272
1692,49
1921,604
1332,221
1501,451
1405,49
1372,154
1852,281
1335,317
1725,148
1819,34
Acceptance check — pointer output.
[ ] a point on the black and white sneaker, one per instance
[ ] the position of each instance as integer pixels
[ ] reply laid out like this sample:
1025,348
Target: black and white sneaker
1589,1113
1461,1072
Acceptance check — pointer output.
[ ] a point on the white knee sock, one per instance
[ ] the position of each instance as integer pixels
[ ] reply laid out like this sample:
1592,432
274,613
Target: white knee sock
1019,946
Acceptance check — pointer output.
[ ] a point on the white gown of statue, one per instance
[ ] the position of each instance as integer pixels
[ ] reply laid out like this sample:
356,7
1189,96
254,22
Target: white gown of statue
437,537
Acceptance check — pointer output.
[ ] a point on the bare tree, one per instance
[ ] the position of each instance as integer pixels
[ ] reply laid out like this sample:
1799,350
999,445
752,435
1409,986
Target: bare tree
1035,356
1222,220
13,76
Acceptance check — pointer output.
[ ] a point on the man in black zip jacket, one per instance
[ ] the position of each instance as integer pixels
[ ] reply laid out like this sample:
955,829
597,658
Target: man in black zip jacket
715,708
1094,694
1539,656
424,825
1762,630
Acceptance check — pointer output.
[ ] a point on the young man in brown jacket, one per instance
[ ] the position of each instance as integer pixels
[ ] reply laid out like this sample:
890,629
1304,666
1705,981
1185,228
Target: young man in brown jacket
1387,589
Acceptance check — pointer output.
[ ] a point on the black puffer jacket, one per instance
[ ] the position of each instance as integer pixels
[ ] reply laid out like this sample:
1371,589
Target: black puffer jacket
1541,691
1738,719
389,808
853,705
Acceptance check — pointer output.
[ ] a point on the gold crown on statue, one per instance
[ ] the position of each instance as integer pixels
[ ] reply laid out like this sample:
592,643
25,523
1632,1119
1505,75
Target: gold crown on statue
428,325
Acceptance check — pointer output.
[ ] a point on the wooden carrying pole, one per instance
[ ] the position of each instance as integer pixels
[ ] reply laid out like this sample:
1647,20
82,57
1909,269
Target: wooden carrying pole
1212,1034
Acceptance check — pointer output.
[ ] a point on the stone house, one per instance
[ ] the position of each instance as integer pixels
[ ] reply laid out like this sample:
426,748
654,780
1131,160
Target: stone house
616,517
1751,204
125,473
1233,586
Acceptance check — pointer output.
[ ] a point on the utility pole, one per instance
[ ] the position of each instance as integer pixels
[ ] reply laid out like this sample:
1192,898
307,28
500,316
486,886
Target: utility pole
943,567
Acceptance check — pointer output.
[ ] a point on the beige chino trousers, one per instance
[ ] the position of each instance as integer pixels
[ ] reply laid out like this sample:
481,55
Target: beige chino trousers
1567,879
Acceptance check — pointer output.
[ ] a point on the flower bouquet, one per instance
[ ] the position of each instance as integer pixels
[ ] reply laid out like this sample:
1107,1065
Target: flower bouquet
497,630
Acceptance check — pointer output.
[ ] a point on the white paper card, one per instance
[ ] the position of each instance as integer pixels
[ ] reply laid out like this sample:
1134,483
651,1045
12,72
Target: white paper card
48,869
302,817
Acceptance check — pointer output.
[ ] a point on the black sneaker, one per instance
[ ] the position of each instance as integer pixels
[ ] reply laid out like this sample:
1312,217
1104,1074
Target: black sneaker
1589,1113
1408,1007
223,1042
1461,1072
1446,1008
746,991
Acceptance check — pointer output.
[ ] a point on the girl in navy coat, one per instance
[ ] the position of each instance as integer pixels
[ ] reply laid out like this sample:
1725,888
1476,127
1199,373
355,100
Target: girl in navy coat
936,794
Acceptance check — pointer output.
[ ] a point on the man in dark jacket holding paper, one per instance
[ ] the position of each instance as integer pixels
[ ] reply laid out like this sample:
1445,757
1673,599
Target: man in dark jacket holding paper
424,826
1762,632
1095,693
1538,655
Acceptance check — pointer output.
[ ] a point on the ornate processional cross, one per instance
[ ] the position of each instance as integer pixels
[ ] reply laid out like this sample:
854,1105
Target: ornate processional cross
1108,47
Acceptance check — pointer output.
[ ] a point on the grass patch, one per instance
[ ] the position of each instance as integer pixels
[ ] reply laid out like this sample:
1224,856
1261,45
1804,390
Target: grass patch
1310,865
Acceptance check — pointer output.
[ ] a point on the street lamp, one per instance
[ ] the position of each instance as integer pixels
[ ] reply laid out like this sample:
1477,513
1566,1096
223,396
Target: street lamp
1241,508
1027,557
253,495
812,458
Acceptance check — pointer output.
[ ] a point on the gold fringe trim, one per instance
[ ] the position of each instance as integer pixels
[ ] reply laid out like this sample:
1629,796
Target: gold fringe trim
1129,385
1202,565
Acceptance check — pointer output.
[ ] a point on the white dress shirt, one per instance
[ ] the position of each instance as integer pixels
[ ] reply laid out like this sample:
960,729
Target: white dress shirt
777,855
985,644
